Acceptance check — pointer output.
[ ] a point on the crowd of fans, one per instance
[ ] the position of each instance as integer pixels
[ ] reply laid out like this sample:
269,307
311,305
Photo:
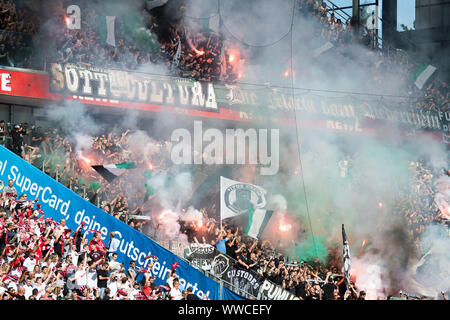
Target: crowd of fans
204,53
17,27
52,152
29,237
41,259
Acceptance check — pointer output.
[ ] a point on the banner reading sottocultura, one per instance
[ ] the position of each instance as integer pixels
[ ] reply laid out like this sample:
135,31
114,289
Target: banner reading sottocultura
97,84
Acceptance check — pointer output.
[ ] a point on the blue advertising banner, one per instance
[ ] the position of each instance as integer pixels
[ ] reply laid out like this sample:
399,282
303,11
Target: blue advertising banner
59,202
230,295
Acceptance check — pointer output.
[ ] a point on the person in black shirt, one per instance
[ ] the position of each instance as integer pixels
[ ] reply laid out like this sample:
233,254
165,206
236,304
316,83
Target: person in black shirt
253,262
36,137
231,247
242,257
190,295
103,277
362,295
107,294
329,287
300,289
17,140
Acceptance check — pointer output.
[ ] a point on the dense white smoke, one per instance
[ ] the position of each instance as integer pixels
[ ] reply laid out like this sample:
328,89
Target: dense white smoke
312,193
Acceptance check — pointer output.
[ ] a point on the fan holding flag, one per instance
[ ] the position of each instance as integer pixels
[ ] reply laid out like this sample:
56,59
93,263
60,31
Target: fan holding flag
347,258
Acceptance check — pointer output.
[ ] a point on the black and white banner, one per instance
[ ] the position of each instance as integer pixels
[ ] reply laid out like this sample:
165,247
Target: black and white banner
96,84
201,256
270,291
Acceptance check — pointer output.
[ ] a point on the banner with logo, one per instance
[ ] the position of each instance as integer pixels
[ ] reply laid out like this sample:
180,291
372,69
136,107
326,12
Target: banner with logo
140,90
236,197
200,255
133,90
59,202
270,291
247,281
222,266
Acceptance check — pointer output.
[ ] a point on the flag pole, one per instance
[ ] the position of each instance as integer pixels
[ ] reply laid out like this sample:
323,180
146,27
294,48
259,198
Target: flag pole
346,257
220,203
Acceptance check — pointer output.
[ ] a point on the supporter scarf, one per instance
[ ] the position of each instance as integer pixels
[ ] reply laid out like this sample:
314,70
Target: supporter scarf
122,293
151,257
175,265
139,296
141,270
10,277
99,245
164,287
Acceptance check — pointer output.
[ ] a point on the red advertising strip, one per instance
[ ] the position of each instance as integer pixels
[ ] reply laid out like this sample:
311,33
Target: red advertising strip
24,84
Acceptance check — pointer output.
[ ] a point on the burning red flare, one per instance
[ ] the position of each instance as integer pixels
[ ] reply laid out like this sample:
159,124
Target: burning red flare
285,227
67,20
162,214
364,243
199,52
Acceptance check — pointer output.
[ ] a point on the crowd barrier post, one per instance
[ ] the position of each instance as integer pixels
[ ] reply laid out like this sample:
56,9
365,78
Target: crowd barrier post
221,289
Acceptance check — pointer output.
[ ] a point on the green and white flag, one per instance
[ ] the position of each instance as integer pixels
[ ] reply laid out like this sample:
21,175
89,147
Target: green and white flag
323,48
237,197
107,29
423,74
257,221
111,171
177,56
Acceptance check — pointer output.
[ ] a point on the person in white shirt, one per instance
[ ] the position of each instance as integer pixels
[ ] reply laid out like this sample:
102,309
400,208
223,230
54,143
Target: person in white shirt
135,291
113,284
113,244
81,275
124,286
30,261
173,276
175,292
60,229
40,286
114,265
74,254
92,276
28,288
